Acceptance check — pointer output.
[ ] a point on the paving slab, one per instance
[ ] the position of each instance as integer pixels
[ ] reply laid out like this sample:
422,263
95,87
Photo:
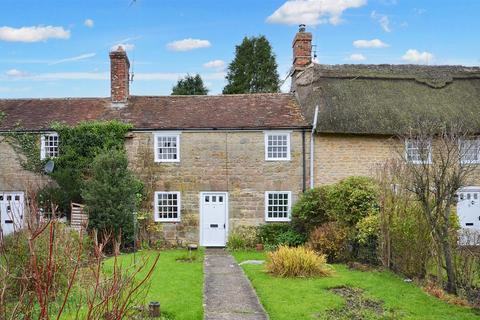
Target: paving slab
228,294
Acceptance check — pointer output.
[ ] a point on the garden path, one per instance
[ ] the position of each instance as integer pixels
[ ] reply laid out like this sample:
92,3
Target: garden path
228,294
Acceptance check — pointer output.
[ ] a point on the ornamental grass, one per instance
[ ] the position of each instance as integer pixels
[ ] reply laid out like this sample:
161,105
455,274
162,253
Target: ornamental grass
297,262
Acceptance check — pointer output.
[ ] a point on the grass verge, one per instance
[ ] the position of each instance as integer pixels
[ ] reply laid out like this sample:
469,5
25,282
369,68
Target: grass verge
287,298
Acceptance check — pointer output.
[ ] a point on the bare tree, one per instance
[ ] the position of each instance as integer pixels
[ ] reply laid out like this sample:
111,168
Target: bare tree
435,163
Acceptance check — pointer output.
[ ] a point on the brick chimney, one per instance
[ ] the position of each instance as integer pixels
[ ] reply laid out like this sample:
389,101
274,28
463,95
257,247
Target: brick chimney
302,49
119,75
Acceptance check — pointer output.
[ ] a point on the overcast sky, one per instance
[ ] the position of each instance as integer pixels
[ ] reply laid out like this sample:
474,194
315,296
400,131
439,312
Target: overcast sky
60,48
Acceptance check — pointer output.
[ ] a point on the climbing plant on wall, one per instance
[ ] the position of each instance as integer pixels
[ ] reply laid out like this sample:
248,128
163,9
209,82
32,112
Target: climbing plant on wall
78,147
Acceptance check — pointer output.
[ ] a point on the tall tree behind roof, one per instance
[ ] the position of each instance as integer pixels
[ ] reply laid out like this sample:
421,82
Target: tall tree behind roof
254,68
190,85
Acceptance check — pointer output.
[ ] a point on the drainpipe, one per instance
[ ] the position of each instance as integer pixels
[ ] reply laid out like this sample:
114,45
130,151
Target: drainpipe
312,146
304,173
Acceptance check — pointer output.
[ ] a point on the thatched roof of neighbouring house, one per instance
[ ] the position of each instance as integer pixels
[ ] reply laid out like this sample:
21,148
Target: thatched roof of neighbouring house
388,99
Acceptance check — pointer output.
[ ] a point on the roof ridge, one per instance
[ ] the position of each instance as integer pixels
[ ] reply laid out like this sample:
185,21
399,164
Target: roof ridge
394,71
214,95
46,99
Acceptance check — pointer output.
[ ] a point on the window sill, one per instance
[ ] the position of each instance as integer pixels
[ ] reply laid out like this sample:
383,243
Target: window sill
168,221
277,220
167,161
275,160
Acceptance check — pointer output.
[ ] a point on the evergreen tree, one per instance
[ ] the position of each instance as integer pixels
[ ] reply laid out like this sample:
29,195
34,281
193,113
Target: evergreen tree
110,195
190,85
253,69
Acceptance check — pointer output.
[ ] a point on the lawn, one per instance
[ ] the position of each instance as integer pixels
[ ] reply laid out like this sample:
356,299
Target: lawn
178,286
310,298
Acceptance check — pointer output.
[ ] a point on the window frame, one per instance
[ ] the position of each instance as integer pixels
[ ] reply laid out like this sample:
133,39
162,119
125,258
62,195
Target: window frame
43,151
429,160
155,146
276,133
289,207
467,162
156,216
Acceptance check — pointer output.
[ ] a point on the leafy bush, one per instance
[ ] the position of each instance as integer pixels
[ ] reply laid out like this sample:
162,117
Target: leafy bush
291,238
368,228
352,199
297,262
79,145
330,239
243,238
406,240
366,243
310,210
269,232
111,195
274,234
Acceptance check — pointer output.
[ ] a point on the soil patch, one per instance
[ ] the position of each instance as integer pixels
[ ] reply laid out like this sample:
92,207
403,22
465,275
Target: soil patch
358,307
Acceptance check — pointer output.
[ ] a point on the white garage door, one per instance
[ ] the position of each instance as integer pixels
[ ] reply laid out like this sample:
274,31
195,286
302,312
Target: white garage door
11,211
468,207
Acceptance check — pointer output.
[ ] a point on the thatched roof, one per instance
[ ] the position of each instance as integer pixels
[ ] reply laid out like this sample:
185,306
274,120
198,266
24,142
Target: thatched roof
388,99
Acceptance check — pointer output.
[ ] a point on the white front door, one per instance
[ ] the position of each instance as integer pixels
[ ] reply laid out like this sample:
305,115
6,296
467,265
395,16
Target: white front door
468,208
11,211
213,211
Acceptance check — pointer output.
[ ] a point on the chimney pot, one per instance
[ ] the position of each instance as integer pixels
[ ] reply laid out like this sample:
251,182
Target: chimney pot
301,28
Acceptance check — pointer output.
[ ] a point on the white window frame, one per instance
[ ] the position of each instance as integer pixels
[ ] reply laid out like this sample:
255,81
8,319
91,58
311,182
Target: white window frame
156,216
429,160
277,133
462,159
155,145
289,207
43,151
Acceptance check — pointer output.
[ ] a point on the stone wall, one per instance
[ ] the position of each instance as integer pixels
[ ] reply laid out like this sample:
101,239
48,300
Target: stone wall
217,161
340,156
12,176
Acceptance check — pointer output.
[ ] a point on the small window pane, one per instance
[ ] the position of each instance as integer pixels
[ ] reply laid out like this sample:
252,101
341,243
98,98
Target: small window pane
277,146
167,205
278,205
167,147
50,145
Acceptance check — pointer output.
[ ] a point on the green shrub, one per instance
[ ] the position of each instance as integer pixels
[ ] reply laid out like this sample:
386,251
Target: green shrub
352,199
407,234
274,234
235,242
291,238
297,262
269,232
79,145
366,243
310,210
330,239
243,238
111,195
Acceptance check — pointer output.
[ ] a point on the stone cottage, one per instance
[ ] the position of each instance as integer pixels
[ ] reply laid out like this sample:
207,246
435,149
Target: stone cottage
211,163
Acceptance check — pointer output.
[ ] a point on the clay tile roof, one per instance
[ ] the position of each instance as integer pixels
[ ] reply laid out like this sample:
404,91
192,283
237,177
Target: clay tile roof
243,111
388,99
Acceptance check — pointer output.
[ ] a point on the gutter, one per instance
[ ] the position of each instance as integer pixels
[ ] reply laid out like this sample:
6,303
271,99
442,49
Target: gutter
176,129
312,146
